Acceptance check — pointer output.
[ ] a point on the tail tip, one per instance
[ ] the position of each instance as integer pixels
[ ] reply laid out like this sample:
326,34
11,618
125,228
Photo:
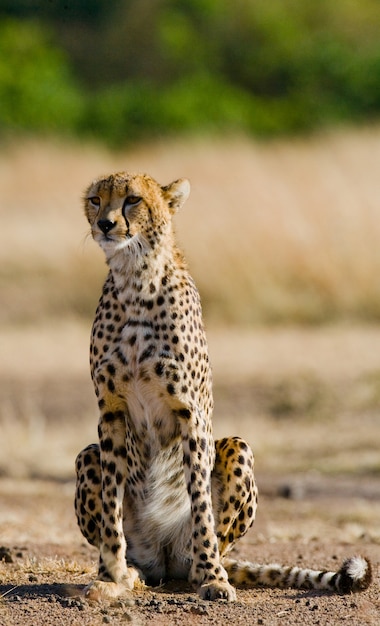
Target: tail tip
355,574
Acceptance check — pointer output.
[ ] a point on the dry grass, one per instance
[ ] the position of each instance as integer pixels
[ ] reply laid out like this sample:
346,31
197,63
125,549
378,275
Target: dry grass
286,231
307,400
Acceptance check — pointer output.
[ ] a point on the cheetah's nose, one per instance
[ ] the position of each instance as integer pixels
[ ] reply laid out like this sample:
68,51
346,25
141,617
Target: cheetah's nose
106,225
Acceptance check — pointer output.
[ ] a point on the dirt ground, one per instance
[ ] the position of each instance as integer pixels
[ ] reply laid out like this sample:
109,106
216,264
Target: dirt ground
308,402
46,564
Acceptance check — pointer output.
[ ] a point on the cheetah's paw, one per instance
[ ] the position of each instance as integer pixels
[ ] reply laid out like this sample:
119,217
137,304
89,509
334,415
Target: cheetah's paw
217,590
100,590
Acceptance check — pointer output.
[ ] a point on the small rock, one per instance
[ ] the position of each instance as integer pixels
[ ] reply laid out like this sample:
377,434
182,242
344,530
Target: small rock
199,610
5,555
294,491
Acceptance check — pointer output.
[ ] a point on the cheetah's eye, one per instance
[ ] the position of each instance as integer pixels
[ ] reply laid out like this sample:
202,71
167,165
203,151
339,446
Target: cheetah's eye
95,201
132,200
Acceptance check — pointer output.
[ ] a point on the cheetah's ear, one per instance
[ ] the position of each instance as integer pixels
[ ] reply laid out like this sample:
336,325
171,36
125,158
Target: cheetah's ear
176,194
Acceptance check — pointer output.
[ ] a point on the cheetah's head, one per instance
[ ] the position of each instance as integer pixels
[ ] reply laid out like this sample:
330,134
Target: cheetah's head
132,212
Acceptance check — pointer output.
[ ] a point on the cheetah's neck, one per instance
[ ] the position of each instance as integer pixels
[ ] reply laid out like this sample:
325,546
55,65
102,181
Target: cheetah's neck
145,271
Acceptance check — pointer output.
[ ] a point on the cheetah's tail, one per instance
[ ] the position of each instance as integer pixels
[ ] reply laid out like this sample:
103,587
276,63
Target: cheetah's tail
355,574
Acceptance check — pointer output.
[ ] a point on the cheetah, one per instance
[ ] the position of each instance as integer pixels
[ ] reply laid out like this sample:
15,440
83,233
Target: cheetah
157,495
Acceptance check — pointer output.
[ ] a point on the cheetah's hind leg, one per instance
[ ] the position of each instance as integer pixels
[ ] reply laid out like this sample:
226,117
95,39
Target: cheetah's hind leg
235,500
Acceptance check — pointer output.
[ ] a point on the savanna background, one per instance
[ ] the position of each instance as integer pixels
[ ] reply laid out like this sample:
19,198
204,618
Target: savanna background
272,109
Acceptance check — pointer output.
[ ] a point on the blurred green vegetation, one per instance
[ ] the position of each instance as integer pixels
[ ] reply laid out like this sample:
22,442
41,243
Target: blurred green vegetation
126,69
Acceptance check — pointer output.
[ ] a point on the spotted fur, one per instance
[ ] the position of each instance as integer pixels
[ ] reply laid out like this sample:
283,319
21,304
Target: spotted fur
157,495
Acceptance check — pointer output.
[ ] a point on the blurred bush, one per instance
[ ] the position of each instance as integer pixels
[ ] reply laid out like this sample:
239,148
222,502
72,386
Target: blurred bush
169,66
37,92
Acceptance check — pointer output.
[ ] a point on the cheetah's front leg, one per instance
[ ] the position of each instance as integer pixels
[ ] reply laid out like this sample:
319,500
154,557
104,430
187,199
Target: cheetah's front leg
206,574
114,577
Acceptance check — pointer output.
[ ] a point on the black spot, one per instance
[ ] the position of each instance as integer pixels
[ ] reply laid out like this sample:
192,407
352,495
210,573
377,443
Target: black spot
170,389
148,352
91,526
148,304
91,474
159,368
121,451
107,481
87,459
132,340
106,445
